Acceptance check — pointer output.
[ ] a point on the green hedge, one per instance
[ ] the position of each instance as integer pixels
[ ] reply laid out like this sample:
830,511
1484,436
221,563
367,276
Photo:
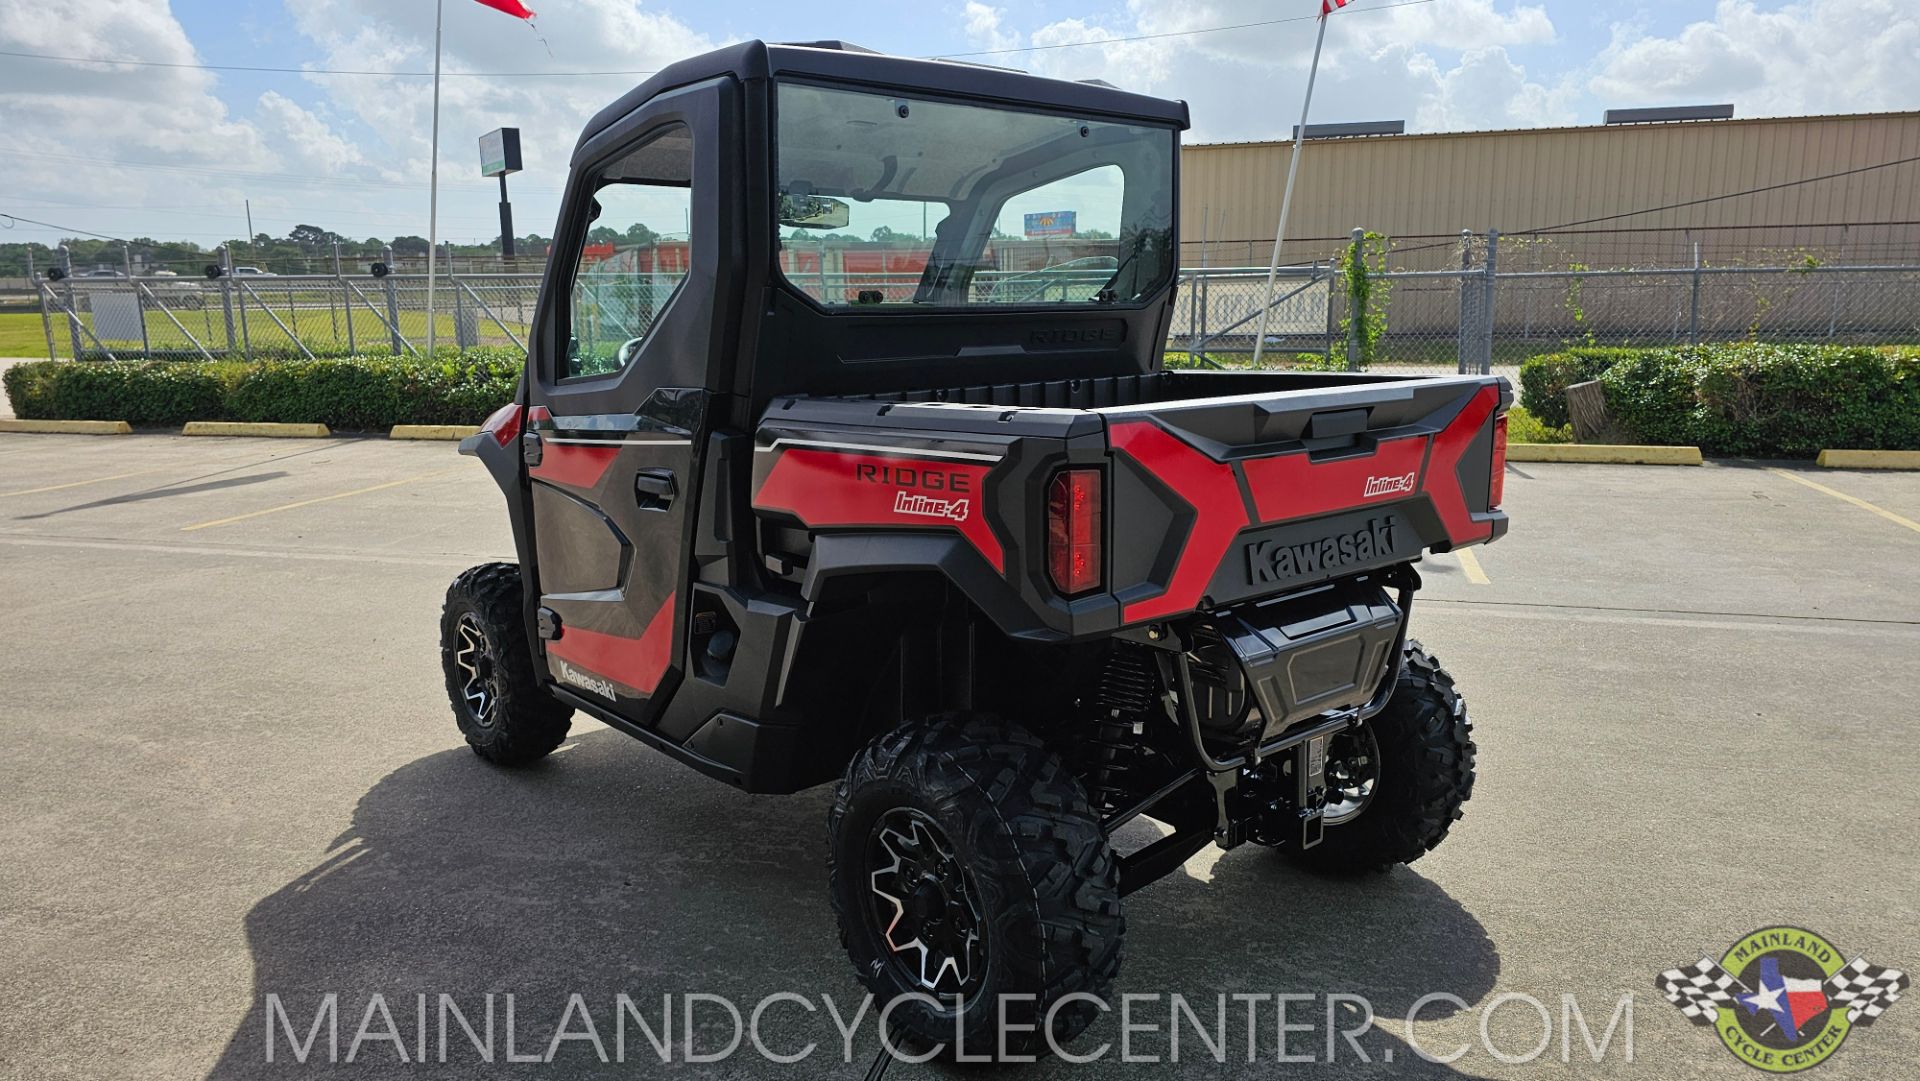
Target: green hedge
1770,401
1524,427
1544,379
1743,400
358,393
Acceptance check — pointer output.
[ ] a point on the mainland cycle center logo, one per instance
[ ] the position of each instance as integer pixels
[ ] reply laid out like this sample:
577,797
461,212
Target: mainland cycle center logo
1782,999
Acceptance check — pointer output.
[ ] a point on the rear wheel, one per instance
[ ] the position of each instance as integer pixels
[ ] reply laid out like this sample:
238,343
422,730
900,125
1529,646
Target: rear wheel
1396,784
506,715
965,865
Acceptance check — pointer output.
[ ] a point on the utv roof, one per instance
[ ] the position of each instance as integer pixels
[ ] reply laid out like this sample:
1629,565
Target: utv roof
841,62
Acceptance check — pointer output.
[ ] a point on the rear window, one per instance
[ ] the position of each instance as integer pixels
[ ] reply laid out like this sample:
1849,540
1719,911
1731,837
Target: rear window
888,201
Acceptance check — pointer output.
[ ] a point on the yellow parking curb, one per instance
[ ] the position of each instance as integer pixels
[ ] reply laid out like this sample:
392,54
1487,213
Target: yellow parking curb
433,431
68,427
1603,454
1869,459
270,431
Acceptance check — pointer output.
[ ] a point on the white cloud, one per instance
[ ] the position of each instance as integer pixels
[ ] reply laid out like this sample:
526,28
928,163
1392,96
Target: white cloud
983,27
1378,64
1818,56
1131,65
60,123
392,116
1487,89
309,141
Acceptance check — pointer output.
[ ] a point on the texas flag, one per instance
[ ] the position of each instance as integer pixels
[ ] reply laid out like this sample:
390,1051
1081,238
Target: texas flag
512,7
1792,1002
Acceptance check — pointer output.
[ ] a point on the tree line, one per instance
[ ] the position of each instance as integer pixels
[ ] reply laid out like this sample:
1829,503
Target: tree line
309,249
305,249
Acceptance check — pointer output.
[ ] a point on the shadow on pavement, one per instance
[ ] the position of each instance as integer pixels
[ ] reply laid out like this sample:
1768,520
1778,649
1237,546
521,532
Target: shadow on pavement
608,869
157,493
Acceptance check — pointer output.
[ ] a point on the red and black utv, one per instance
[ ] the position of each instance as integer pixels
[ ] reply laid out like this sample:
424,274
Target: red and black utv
845,453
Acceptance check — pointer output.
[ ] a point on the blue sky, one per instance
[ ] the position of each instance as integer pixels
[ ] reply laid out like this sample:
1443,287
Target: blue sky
174,152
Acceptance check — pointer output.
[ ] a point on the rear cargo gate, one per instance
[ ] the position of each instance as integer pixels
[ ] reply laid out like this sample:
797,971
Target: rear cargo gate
1272,495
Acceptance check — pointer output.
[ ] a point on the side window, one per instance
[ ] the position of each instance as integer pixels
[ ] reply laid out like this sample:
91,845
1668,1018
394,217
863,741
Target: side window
636,254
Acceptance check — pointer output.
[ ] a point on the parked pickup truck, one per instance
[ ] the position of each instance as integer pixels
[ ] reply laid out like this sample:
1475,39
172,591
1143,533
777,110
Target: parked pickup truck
794,515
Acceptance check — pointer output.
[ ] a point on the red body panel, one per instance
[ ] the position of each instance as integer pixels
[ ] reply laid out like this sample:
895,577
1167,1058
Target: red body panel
637,663
1219,511
848,488
1290,486
573,464
1443,476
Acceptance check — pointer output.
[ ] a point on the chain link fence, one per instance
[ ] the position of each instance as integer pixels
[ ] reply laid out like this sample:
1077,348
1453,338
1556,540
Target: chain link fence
282,316
1486,302
1471,303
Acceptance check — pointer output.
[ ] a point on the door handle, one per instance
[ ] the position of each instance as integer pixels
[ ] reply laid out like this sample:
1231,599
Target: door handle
654,488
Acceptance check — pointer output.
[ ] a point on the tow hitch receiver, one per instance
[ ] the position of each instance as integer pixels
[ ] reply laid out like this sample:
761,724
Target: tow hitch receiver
1310,766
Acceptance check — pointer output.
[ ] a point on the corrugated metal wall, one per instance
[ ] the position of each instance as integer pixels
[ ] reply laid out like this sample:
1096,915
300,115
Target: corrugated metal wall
1433,186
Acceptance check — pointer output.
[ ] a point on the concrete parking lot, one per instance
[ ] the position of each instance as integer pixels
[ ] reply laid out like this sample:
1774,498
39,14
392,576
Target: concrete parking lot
229,771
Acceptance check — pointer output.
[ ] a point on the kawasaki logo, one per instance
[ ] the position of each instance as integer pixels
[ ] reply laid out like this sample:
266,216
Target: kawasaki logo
593,683
1276,561
1379,486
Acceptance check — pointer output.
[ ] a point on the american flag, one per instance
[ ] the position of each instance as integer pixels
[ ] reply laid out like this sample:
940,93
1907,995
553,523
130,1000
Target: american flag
1326,6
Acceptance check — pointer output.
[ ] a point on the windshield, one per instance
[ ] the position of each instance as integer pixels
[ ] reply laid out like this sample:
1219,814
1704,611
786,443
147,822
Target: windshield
890,201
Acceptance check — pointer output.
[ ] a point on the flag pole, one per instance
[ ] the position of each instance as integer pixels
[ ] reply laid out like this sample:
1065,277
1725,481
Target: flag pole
1286,199
433,176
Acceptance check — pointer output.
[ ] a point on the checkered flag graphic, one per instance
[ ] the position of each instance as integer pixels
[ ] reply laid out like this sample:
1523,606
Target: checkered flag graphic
1699,989
1865,990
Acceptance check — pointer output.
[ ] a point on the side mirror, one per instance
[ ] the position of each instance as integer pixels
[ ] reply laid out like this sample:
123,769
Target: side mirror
813,212
55,274
379,270
215,271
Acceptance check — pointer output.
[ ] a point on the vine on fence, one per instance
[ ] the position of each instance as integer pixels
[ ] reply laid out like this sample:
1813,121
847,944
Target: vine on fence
1366,294
1574,307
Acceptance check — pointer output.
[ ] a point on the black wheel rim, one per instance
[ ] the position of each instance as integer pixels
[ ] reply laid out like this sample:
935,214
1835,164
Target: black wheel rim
474,657
1353,772
924,906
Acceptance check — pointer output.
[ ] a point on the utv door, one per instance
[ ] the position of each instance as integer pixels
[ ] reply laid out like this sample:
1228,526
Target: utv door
617,402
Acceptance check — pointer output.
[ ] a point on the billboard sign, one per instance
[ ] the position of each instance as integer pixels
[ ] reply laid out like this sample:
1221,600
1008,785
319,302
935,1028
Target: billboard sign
500,152
1050,223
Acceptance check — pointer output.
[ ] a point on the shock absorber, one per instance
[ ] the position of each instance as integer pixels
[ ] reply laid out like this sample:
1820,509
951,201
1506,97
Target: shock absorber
1126,694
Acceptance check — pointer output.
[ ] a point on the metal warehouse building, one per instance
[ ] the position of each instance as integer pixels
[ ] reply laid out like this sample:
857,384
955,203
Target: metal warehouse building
1615,195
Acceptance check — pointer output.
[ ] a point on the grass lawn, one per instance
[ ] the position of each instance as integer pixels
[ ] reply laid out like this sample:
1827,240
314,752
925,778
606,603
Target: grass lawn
323,330
21,336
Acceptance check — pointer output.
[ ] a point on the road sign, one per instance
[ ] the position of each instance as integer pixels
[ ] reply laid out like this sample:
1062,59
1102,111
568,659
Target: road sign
500,152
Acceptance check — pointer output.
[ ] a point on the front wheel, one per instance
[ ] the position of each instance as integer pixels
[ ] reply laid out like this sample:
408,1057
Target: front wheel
967,867
498,701
1395,785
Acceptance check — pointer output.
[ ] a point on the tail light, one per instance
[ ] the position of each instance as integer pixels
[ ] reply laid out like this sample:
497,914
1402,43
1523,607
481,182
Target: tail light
1074,531
1497,479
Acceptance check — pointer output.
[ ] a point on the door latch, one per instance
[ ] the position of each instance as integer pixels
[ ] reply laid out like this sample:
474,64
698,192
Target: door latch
531,448
654,489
